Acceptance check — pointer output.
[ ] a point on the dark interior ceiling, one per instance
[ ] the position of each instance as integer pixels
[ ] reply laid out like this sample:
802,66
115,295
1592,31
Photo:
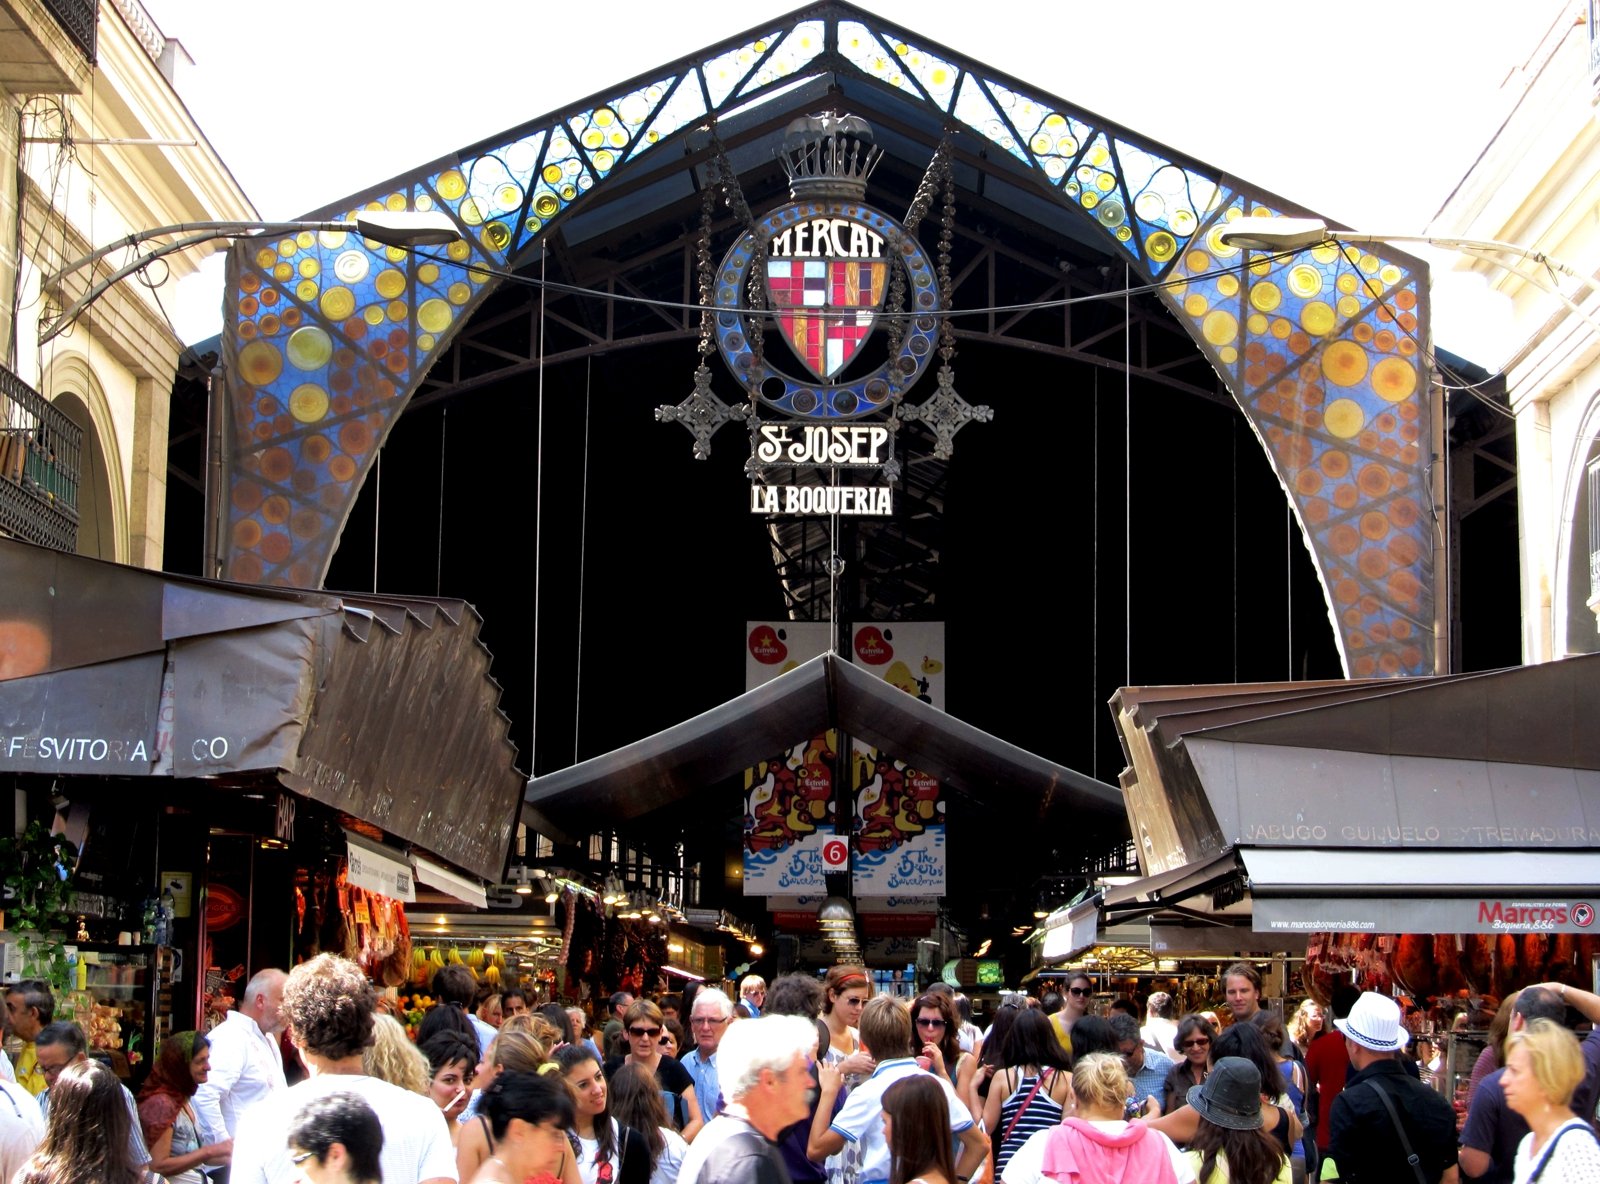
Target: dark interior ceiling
1116,523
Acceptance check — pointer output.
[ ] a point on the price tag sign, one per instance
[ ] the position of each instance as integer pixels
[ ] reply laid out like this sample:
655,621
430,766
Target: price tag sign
836,855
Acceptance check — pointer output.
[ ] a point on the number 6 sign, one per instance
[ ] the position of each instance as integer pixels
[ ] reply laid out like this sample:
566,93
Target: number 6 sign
835,855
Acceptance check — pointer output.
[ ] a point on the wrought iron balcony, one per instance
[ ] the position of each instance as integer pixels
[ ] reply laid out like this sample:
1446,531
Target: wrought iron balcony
78,18
40,455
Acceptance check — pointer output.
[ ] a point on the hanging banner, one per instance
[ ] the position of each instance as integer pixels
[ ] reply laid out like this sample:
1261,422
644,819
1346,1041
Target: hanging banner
788,799
908,655
789,819
898,833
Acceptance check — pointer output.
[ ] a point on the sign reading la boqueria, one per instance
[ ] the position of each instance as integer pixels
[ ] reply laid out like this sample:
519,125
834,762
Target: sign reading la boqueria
857,304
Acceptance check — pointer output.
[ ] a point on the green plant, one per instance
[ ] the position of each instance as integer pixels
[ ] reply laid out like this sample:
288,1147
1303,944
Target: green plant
33,870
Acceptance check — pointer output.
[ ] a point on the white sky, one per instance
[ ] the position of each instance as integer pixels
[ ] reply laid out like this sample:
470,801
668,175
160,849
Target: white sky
1367,111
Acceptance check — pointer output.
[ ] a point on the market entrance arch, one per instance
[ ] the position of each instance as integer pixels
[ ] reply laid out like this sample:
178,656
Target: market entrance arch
327,338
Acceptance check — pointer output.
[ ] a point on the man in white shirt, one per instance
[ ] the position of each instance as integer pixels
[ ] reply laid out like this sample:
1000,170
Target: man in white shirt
246,1066
886,1034
329,1006
21,1127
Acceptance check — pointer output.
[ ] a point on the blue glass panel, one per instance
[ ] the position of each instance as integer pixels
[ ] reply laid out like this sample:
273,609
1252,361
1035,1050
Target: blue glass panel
685,105
974,108
860,47
798,47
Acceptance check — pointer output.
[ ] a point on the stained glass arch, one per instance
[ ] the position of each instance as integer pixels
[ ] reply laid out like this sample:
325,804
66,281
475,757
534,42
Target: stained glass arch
326,336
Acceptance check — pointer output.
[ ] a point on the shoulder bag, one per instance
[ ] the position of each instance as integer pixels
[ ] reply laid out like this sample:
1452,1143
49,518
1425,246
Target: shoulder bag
1411,1156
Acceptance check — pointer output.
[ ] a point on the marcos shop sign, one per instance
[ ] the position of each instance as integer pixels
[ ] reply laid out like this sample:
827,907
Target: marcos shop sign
1401,915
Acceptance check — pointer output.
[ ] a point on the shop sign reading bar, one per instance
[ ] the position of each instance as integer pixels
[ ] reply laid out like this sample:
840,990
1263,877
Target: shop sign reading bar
844,445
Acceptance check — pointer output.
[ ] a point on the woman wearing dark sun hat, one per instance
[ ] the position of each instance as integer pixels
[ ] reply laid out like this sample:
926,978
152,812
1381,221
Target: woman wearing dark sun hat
1230,1146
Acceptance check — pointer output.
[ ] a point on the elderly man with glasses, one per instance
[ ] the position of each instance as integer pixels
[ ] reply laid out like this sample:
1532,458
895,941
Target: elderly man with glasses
708,1020
61,1044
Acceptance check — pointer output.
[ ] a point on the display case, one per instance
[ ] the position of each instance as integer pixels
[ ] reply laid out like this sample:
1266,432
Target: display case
123,1003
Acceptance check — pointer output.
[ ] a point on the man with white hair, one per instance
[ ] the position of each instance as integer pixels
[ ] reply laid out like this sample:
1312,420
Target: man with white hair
708,1020
246,1066
766,1078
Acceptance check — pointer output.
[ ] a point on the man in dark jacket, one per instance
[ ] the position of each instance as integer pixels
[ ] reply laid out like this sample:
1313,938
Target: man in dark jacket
1386,1127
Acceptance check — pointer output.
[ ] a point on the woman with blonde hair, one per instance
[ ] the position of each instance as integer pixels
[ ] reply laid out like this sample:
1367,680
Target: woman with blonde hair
1544,1065
514,1051
1097,1145
393,1058
1307,1022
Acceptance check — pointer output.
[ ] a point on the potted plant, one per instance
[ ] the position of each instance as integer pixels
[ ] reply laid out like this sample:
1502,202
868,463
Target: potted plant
33,871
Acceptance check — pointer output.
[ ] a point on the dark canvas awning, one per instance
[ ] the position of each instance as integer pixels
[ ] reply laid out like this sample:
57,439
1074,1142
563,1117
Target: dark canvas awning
1504,759
379,706
825,692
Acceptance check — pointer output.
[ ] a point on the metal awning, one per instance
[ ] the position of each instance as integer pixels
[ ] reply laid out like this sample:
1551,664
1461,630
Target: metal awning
379,706
1507,759
825,692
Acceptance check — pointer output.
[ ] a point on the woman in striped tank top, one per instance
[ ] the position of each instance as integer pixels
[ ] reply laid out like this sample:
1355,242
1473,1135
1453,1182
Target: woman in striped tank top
1030,1092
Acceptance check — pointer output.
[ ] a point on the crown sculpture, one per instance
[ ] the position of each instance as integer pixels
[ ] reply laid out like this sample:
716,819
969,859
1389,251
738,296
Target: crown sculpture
829,156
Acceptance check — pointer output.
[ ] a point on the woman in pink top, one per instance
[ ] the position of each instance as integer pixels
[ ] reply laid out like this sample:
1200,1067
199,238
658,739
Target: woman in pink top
1097,1145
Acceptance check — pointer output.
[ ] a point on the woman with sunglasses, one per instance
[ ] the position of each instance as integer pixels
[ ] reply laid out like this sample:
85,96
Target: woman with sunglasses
673,1041
1193,1047
938,1037
845,992
607,1152
642,1026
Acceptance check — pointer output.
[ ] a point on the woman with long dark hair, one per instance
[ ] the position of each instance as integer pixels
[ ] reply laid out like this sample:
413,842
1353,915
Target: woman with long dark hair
916,1126
938,1037
606,1150
560,1021
1192,1062
172,1130
991,1055
528,1115
86,1135
636,1102
1229,1145
514,1050
1033,1089
1243,1041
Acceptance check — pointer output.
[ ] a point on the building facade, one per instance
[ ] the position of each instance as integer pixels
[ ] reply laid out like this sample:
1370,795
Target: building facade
1536,184
108,150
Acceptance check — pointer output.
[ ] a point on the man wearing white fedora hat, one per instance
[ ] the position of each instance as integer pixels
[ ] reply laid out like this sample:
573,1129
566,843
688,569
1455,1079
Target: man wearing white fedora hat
1386,1126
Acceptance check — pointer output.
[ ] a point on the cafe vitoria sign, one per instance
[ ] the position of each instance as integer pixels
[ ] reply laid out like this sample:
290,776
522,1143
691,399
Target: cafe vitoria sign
827,311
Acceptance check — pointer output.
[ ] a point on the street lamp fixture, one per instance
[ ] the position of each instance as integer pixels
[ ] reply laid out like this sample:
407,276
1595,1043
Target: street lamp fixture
393,228
1286,235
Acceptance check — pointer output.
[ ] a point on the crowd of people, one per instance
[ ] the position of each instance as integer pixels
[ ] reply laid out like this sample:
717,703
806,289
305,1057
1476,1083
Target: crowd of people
809,1080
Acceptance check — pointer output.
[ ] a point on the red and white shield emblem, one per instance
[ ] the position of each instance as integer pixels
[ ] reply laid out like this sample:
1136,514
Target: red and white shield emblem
826,307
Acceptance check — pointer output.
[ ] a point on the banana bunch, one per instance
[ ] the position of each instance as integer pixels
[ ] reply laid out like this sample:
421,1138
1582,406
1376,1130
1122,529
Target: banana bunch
453,957
491,975
475,957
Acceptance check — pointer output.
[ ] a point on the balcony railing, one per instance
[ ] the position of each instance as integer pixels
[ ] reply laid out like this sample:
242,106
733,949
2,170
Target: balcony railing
78,18
40,456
